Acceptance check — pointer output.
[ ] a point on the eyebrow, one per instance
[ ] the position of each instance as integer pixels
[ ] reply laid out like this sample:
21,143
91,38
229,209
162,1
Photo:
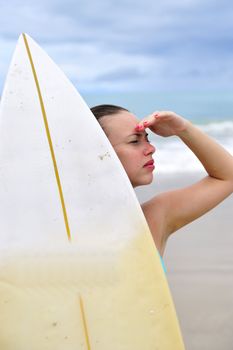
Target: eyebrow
138,134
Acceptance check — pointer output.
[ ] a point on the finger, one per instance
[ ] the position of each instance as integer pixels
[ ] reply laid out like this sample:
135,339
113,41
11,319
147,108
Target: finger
146,122
140,127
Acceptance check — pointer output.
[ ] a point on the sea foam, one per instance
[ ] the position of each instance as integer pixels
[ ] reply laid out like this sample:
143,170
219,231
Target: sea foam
173,156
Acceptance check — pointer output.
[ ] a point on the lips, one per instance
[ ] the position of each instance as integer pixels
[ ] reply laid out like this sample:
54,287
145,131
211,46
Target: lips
149,164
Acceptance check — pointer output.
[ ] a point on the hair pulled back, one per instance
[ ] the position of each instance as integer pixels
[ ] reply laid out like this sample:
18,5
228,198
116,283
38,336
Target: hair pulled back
100,111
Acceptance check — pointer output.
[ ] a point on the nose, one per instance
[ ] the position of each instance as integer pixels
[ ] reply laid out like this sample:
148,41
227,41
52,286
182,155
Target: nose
149,149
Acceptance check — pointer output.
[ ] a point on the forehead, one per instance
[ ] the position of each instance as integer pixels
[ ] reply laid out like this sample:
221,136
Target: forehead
120,125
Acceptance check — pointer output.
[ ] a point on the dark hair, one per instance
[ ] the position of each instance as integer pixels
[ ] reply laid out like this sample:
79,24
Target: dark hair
103,110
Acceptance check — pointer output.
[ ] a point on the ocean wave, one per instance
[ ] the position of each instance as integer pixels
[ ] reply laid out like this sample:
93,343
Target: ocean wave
176,160
218,129
172,156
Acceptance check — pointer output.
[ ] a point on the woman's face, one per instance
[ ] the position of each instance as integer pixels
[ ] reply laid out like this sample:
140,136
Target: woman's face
132,147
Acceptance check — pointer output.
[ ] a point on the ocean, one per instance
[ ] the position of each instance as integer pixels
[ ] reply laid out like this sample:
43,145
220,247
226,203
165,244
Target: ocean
211,111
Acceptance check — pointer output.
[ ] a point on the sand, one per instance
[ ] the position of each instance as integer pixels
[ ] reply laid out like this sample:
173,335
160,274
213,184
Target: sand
199,260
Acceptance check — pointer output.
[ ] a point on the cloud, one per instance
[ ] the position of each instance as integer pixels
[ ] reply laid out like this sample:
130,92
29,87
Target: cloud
127,44
122,73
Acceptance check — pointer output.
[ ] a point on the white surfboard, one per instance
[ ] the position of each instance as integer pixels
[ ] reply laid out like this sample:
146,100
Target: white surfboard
78,266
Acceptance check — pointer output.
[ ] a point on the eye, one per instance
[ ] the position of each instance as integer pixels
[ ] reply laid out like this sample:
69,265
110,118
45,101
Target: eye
134,141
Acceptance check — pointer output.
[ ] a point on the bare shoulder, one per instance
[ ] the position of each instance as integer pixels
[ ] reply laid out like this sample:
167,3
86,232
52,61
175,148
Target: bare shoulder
169,211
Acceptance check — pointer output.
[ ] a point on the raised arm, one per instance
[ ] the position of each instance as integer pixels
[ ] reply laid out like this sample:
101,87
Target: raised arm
178,208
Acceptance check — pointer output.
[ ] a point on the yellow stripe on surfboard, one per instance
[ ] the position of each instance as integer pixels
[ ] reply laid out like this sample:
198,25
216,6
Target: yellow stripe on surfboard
49,138
84,323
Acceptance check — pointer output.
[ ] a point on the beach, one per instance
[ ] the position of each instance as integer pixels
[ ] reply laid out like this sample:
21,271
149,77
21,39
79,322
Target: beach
199,264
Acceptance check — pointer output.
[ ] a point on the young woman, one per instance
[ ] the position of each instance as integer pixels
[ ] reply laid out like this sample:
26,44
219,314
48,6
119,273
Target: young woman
169,211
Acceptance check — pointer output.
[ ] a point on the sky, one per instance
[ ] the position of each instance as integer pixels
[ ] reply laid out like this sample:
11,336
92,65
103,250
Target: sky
116,45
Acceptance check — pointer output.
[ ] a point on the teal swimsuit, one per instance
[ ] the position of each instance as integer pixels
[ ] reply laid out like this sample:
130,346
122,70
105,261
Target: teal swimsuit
163,265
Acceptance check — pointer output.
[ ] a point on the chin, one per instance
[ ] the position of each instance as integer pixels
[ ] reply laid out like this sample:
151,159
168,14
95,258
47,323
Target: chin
143,182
